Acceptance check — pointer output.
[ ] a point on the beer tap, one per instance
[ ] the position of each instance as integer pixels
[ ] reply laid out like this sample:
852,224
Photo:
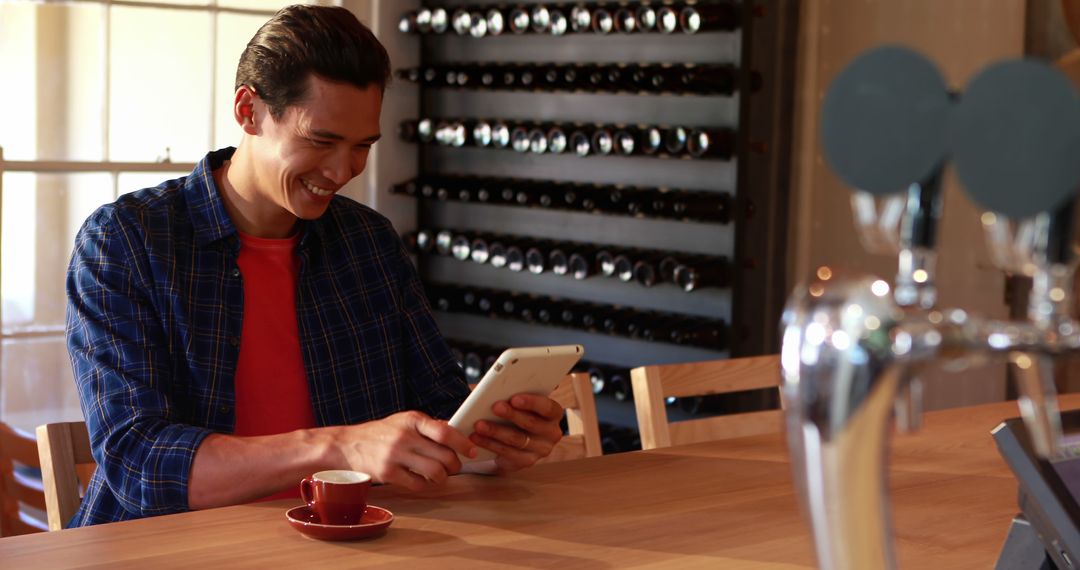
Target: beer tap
853,346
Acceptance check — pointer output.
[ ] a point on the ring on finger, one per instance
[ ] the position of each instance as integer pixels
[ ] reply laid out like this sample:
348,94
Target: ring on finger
528,438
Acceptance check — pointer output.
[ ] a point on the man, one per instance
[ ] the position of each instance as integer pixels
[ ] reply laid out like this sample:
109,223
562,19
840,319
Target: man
237,329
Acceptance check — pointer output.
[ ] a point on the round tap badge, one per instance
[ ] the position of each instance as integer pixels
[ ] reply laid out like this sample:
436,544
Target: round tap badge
1015,139
884,120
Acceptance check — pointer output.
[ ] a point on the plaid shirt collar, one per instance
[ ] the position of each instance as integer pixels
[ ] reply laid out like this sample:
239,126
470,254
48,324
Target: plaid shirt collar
209,217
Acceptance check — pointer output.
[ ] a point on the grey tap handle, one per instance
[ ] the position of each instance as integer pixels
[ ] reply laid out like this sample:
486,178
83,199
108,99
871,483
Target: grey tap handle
884,120
1014,139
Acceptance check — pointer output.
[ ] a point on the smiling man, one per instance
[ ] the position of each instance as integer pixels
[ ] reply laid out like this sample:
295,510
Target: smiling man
237,329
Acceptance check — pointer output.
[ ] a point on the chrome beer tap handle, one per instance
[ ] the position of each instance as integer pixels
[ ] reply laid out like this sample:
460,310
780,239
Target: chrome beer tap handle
851,348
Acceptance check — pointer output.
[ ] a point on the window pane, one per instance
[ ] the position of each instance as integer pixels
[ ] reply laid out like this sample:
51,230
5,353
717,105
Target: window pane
160,87
38,385
132,181
53,53
233,33
41,214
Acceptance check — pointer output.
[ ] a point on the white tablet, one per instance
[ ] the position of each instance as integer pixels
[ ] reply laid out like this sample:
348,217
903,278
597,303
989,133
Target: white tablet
531,370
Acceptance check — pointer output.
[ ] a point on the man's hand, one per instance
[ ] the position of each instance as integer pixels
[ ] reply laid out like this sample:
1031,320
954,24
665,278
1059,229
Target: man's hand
410,449
533,435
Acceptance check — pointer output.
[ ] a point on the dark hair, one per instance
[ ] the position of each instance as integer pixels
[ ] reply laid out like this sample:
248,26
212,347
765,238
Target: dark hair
300,40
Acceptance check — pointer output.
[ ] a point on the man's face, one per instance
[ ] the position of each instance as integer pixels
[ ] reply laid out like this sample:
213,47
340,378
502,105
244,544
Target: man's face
317,146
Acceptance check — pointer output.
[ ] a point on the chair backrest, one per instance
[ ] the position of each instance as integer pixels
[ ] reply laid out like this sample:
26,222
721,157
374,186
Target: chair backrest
575,395
653,384
20,492
64,449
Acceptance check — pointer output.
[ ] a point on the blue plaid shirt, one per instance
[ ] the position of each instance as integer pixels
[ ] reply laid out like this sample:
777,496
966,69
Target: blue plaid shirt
155,307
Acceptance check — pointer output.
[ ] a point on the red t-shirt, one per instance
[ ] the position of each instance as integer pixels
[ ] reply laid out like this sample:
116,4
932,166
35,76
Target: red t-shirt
272,394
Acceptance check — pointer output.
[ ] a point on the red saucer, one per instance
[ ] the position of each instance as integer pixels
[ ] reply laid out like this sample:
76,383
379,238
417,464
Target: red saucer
374,523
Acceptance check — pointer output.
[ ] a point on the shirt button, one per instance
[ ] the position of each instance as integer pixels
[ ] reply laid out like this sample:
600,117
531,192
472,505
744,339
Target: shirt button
225,408
236,272
234,341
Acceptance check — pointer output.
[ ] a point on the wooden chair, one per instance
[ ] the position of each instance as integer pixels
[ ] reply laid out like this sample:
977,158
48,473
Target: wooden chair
652,384
575,395
64,449
20,494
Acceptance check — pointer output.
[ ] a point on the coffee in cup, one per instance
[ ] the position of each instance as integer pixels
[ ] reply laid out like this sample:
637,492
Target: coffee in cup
339,497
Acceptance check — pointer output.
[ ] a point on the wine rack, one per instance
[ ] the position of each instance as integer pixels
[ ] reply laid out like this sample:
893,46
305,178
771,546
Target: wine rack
575,232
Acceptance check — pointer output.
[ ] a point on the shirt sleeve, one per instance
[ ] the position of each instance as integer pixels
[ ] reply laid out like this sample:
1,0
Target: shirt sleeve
436,380
120,358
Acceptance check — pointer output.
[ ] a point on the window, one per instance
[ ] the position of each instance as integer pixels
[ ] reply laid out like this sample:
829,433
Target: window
102,97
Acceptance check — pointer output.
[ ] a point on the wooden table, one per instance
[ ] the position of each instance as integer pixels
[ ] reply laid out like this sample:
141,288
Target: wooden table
727,504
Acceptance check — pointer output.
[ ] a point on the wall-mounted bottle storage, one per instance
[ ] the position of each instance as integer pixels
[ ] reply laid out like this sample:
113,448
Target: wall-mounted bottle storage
576,139
642,261
560,19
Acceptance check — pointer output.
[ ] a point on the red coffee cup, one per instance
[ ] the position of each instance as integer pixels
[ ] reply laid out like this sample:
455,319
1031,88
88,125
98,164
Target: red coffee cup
338,497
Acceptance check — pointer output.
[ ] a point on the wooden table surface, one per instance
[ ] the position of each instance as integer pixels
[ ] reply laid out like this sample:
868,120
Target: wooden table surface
727,504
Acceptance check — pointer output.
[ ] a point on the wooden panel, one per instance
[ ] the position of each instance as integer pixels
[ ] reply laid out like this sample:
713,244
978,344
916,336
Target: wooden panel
726,427
962,38
719,377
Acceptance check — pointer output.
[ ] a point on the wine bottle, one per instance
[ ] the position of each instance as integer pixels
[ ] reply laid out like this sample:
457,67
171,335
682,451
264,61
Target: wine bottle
597,378
606,262
718,79
423,21
583,263
557,140
439,21
690,277
500,134
581,140
478,250
667,20
443,242
474,367
701,206
708,18
581,19
620,387
711,143
603,140
646,18
461,22
700,332
626,141
460,247
515,257
425,241
497,254
625,20
536,257
652,141
540,18
602,21
407,23
477,25
519,20
496,23
559,22
675,140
